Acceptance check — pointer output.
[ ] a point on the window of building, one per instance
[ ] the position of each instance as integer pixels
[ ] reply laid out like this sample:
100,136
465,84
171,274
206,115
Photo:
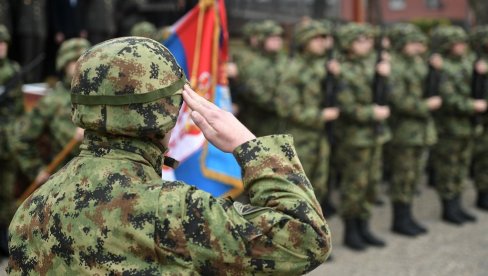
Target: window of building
396,5
433,4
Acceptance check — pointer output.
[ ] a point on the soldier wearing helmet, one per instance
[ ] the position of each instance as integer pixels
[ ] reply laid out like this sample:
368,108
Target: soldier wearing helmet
412,124
259,107
451,156
359,144
144,29
11,107
479,41
302,99
238,68
52,114
109,212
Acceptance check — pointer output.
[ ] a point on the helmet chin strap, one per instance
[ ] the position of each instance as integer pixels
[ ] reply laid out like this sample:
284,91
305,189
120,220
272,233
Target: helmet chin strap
168,161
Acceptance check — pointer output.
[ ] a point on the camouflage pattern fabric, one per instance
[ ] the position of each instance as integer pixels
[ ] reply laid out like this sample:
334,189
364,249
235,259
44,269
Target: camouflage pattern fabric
451,161
412,124
360,175
52,115
11,107
109,212
300,97
407,164
480,156
452,154
144,29
360,145
259,100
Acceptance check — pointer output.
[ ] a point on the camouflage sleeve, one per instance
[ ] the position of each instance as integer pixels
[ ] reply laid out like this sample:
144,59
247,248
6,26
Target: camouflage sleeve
290,104
282,231
349,105
26,132
452,100
406,103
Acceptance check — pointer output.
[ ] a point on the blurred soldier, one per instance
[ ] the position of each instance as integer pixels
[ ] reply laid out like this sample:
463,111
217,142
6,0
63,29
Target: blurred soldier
144,29
31,27
479,39
109,212
359,142
52,113
238,68
412,124
263,75
11,107
303,101
452,154
99,21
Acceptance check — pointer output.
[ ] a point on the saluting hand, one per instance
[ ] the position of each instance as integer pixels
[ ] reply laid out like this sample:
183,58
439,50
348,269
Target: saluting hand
220,127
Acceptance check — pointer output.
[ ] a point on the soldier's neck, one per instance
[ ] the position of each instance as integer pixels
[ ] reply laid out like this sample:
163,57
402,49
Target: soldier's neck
102,144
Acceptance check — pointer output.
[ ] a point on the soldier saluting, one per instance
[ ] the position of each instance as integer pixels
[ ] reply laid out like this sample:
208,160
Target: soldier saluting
109,212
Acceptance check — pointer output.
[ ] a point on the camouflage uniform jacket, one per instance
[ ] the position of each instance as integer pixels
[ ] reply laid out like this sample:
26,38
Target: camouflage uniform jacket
11,104
109,212
52,113
301,93
454,117
356,124
411,121
260,97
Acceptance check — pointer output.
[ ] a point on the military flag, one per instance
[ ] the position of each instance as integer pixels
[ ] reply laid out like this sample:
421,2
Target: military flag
199,43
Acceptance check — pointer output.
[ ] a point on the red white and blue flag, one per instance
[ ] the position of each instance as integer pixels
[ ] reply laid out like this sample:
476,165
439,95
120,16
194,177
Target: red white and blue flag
199,42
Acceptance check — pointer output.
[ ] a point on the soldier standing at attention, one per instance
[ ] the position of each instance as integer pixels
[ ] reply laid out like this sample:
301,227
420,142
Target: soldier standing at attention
52,113
480,39
238,69
144,29
109,212
264,73
11,107
452,154
302,94
412,124
359,143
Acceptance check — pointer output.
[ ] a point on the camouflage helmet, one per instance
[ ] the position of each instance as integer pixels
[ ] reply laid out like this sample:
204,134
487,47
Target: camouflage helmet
267,29
128,86
144,29
309,29
71,50
402,33
348,33
4,34
443,37
249,29
479,37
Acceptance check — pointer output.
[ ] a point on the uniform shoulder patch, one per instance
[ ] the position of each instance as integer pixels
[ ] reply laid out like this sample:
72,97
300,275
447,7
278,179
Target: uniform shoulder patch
246,209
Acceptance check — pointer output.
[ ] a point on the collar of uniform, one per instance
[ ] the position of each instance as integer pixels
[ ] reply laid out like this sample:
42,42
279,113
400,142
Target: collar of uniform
122,147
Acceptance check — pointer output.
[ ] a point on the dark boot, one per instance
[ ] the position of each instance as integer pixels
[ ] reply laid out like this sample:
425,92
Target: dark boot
366,234
450,212
465,215
352,239
327,208
482,202
402,220
420,228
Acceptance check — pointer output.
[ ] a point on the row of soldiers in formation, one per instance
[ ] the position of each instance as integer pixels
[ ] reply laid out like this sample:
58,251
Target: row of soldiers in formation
321,97
402,105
